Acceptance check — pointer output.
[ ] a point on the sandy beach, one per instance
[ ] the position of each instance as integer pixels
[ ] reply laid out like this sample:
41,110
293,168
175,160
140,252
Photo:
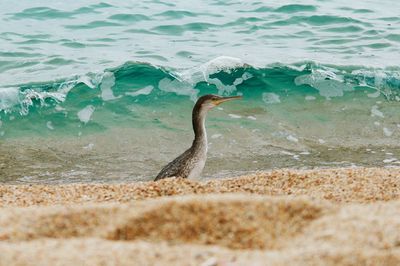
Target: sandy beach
284,217
283,116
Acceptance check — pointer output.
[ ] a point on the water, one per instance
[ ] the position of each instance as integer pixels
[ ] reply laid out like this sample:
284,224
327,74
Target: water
103,91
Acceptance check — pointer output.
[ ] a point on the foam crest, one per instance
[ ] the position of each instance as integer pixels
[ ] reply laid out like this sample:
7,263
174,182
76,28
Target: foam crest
112,90
177,87
9,97
107,82
326,81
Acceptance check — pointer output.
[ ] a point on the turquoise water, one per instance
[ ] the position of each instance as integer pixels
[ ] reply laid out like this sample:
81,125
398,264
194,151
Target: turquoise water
103,91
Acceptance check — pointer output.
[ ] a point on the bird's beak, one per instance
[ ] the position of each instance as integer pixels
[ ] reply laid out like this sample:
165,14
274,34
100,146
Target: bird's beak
225,99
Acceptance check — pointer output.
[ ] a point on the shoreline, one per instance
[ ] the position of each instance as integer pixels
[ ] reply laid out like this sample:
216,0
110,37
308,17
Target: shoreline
338,185
343,216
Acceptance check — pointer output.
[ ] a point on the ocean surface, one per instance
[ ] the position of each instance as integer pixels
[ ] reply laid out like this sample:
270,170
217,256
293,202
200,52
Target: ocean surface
102,91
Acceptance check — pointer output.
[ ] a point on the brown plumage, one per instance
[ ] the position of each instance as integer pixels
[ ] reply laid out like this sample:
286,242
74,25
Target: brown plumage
191,163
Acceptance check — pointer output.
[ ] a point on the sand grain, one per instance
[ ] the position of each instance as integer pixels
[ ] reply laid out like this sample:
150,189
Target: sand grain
286,217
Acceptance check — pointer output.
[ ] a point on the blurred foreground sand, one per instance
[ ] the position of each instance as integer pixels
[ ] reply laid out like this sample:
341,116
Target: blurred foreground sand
285,217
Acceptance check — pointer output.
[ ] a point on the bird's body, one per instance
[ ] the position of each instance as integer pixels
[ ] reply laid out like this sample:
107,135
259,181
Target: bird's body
187,165
190,164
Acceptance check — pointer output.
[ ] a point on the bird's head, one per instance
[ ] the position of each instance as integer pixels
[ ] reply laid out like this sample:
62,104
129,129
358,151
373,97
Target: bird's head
209,101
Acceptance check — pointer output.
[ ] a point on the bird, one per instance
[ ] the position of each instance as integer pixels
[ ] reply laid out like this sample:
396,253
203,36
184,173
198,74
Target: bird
190,164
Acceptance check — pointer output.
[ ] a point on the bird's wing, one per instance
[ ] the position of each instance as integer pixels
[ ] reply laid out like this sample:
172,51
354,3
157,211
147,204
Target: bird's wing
175,168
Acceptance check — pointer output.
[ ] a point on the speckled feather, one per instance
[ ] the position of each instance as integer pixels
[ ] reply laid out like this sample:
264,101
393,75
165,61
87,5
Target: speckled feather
190,164
179,167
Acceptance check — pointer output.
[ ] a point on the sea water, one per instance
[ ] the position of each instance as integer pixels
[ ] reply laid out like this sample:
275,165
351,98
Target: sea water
103,90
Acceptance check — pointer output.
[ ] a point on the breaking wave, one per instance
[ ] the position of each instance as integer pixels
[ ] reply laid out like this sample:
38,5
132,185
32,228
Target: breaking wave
76,99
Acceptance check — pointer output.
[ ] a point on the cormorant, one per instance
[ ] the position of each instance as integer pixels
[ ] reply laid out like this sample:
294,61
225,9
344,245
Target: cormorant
190,164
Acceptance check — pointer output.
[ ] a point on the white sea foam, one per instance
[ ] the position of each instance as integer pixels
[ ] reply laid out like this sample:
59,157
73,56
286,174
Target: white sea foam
225,63
326,81
222,88
374,94
92,81
145,91
85,114
216,136
178,87
89,146
387,132
238,81
49,125
235,116
390,160
29,95
376,112
107,83
292,138
270,98
59,108
203,73
310,98
380,80
9,97
244,77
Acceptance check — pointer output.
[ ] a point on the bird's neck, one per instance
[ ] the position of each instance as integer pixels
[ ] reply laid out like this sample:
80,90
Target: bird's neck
199,128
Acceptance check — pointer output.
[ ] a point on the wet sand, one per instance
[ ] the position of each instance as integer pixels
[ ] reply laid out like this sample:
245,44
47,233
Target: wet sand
285,217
